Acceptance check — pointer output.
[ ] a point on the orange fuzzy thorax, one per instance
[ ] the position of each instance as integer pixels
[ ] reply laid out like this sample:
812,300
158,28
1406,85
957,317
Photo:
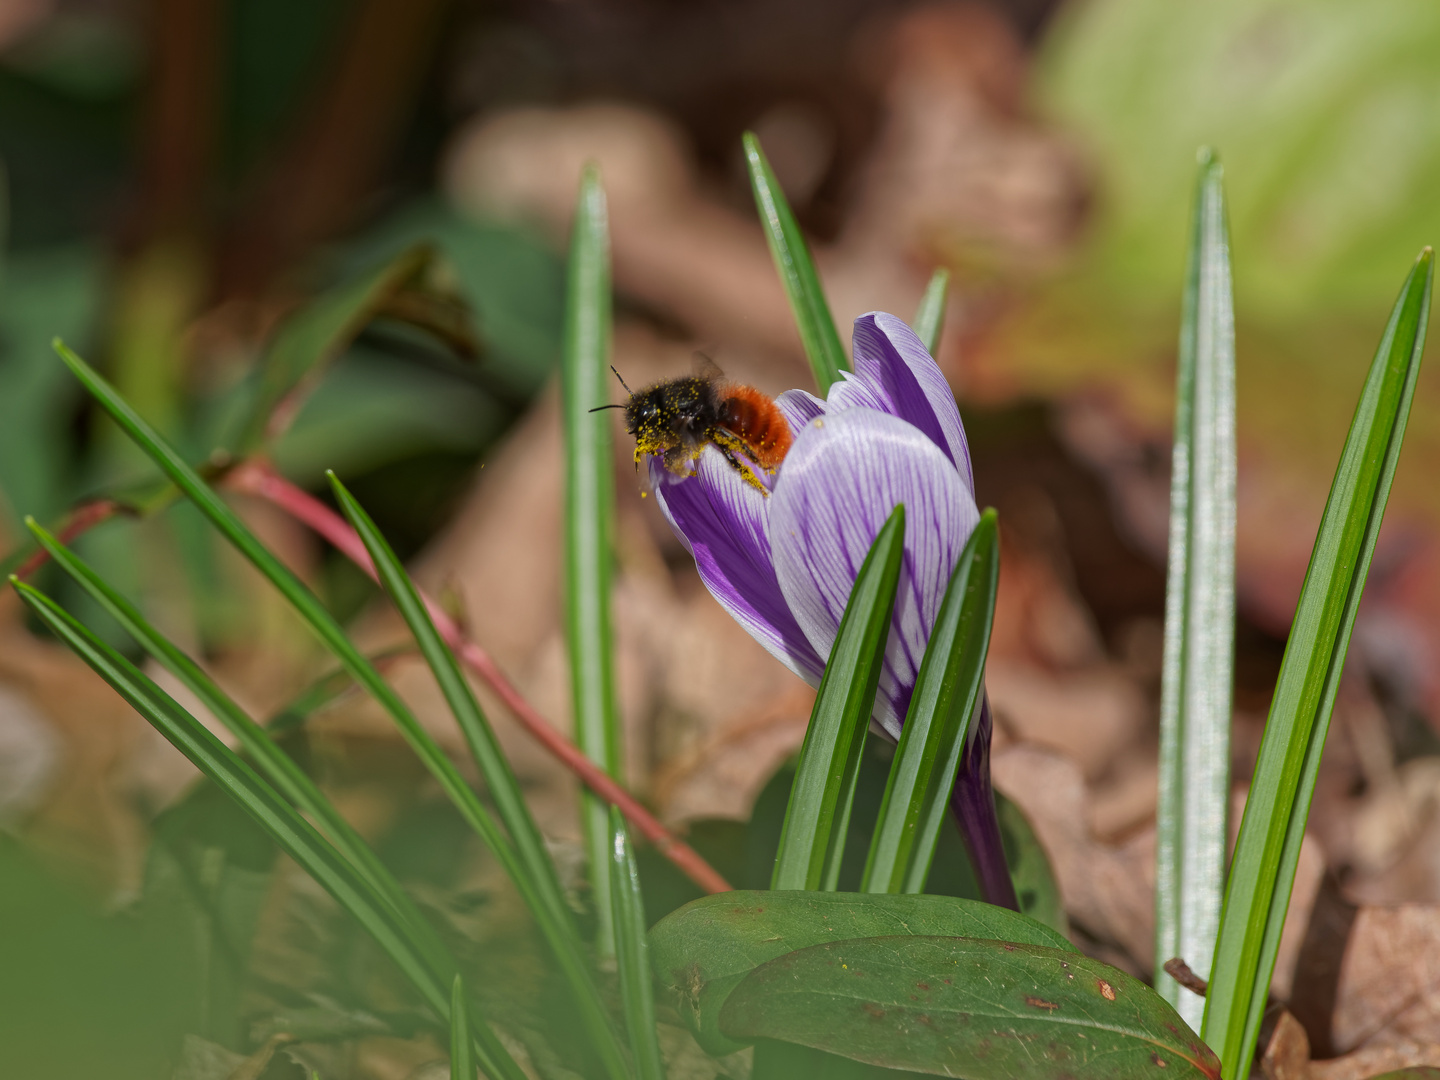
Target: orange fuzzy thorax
758,422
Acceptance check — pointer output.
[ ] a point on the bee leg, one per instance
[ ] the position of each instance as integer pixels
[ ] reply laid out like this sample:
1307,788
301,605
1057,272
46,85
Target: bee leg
733,448
680,460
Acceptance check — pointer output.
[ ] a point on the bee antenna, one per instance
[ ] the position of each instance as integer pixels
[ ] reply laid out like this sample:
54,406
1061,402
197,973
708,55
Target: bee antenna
622,381
599,407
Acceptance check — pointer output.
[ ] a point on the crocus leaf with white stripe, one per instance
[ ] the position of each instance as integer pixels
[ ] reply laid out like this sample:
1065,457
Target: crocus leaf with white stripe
590,526
1199,660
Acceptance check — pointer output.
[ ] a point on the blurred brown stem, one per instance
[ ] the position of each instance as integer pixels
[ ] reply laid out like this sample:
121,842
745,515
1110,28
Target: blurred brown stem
257,479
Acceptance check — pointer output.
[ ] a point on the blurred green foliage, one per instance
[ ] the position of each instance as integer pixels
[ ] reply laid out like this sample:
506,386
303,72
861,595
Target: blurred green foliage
84,992
44,292
1326,113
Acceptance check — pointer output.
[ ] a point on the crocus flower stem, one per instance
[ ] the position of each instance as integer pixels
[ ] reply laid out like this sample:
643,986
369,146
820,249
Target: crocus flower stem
972,801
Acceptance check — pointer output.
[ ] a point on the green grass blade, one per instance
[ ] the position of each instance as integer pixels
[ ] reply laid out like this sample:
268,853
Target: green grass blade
947,694
812,839
333,636
523,853
1199,660
277,766
462,1062
637,993
930,316
291,832
514,813
1263,870
590,526
797,270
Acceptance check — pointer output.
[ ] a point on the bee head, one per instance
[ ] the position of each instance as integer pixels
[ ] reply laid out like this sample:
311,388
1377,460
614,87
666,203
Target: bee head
640,410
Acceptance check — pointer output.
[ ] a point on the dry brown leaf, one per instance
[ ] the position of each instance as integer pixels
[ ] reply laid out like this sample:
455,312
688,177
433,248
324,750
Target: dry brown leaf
1107,890
1287,1056
1372,1061
1389,982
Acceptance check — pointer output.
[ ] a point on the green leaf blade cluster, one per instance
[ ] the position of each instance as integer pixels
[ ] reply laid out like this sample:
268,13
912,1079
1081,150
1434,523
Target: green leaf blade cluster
560,935
947,694
812,840
1268,848
279,768
291,832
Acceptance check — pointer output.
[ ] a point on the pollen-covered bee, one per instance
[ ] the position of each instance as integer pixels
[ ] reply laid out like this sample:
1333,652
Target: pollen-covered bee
676,418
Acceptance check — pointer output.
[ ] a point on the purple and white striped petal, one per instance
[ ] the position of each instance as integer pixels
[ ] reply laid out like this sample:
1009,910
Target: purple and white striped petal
800,408
853,392
722,521
897,367
846,472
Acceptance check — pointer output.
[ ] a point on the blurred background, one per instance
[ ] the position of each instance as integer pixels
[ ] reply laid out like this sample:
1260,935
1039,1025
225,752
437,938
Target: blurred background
183,179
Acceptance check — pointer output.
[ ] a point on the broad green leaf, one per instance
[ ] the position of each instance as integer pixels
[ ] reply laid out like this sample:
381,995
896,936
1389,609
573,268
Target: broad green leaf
703,950
930,316
632,953
590,526
315,336
812,840
276,765
295,836
462,1063
335,639
1268,848
785,1061
797,270
947,693
961,1006
1199,661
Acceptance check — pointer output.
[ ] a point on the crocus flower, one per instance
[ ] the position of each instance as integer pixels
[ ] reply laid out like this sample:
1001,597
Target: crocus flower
783,561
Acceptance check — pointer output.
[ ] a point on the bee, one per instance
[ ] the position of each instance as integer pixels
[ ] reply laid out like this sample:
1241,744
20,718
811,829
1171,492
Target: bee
675,419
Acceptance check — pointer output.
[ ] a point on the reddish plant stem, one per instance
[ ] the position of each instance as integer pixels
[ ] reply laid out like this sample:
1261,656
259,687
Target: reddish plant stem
258,479
82,519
